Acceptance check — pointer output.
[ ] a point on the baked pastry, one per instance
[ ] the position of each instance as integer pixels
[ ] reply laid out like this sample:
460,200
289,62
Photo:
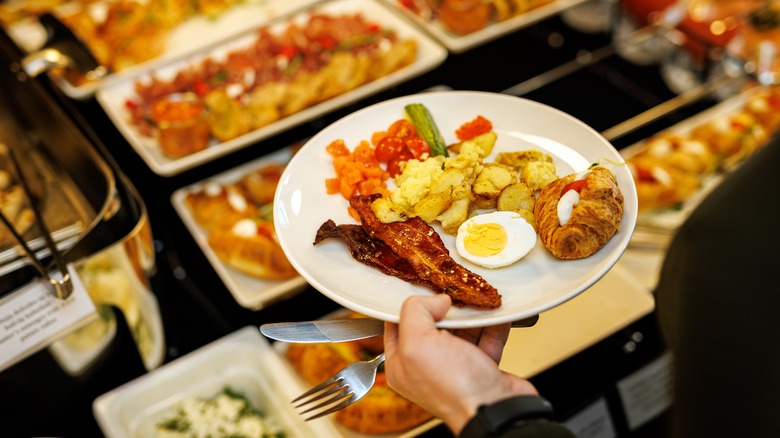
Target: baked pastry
218,207
250,247
594,212
380,411
260,184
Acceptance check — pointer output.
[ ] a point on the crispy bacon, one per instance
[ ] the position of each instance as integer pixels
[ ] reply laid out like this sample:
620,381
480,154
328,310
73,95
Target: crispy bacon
419,244
371,252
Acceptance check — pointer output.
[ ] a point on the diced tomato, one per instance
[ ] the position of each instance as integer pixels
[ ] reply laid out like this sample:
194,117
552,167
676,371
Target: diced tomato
288,51
418,147
401,128
327,42
471,129
774,102
201,88
394,167
373,28
131,104
577,186
389,148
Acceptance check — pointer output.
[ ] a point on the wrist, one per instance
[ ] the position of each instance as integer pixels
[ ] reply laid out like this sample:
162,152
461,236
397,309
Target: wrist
496,418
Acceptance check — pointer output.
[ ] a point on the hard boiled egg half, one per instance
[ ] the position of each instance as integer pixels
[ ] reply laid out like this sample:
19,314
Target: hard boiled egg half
495,239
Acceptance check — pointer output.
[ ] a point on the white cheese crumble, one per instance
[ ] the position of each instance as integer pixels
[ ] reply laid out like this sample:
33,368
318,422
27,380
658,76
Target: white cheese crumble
226,415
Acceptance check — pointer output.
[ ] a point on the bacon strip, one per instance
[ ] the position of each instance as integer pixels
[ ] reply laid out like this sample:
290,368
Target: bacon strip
419,244
371,252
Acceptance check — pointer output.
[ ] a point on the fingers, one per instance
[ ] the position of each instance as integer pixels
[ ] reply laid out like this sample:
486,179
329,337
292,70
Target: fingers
493,340
420,313
391,338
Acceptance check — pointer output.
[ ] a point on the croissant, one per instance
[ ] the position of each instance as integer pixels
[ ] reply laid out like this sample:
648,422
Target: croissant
594,219
259,256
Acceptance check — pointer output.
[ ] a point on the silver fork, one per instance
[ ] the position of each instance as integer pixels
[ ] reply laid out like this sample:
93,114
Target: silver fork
346,387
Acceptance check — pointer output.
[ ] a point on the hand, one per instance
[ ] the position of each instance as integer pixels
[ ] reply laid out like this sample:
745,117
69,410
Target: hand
448,374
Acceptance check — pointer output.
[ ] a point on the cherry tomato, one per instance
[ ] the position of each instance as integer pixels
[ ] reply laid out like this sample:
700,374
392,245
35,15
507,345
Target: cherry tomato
390,148
418,147
394,165
577,186
401,128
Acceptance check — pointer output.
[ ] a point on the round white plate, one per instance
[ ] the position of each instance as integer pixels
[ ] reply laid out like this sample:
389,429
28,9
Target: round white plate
534,284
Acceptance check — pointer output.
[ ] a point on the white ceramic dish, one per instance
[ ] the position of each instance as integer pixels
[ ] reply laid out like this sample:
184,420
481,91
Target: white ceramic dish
250,292
457,43
192,35
534,284
113,98
244,360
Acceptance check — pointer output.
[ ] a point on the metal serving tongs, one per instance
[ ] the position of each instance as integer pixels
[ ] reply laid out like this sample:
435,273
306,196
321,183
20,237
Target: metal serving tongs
64,50
62,286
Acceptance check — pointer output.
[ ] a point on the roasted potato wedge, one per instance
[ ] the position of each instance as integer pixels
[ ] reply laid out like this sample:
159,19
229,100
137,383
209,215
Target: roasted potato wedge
454,216
538,174
431,206
518,160
516,196
490,182
387,211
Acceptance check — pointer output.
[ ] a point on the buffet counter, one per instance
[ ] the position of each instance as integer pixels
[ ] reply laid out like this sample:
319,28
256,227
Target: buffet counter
577,354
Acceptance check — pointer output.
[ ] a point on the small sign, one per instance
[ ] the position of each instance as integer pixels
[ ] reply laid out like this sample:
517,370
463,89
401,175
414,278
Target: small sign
648,392
593,422
32,317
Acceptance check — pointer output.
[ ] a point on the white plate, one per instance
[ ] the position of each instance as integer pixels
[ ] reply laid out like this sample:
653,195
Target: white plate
250,292
457,43
243,360
113,98
536,283
193,34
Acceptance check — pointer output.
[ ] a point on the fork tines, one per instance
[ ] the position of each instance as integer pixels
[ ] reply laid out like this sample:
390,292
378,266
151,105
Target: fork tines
336,392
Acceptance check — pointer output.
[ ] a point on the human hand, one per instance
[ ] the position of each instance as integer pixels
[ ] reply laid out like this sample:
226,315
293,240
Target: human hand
450,374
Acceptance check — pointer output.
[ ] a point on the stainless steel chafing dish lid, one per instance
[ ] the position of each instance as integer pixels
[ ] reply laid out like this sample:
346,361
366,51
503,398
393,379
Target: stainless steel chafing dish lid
83,204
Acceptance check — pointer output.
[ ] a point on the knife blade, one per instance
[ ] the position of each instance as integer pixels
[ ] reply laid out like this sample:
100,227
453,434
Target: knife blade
337,330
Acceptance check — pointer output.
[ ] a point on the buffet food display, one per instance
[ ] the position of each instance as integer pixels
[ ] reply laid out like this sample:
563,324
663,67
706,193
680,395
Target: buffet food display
273,78
674,169
230,217
461,25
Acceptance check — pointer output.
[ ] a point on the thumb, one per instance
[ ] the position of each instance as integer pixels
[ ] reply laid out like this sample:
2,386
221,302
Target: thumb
420,313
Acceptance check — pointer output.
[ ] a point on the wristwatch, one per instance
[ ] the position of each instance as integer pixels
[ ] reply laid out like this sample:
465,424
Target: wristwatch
495,419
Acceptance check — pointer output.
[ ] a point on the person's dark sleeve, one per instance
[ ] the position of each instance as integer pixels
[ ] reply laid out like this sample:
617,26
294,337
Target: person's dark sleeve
516,417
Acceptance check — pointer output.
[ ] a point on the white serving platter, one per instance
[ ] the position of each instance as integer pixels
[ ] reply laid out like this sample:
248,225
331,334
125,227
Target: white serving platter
112,98
243,360
250,292
190,36
457,43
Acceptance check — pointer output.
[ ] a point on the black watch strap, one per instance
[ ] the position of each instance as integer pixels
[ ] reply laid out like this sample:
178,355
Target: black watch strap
492,420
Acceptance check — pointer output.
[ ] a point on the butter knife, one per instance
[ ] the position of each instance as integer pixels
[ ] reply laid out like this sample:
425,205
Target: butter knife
340,330
336,330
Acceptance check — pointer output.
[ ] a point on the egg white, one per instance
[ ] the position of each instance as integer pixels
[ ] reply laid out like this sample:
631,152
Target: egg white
521,238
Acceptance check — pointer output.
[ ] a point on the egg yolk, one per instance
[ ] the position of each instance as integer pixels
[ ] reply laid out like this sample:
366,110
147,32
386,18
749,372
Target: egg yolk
485,239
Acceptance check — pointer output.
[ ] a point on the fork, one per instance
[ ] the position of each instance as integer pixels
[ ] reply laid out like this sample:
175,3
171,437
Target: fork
346,387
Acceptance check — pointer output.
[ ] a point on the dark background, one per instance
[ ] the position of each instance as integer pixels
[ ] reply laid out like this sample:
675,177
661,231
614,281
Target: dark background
38,399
